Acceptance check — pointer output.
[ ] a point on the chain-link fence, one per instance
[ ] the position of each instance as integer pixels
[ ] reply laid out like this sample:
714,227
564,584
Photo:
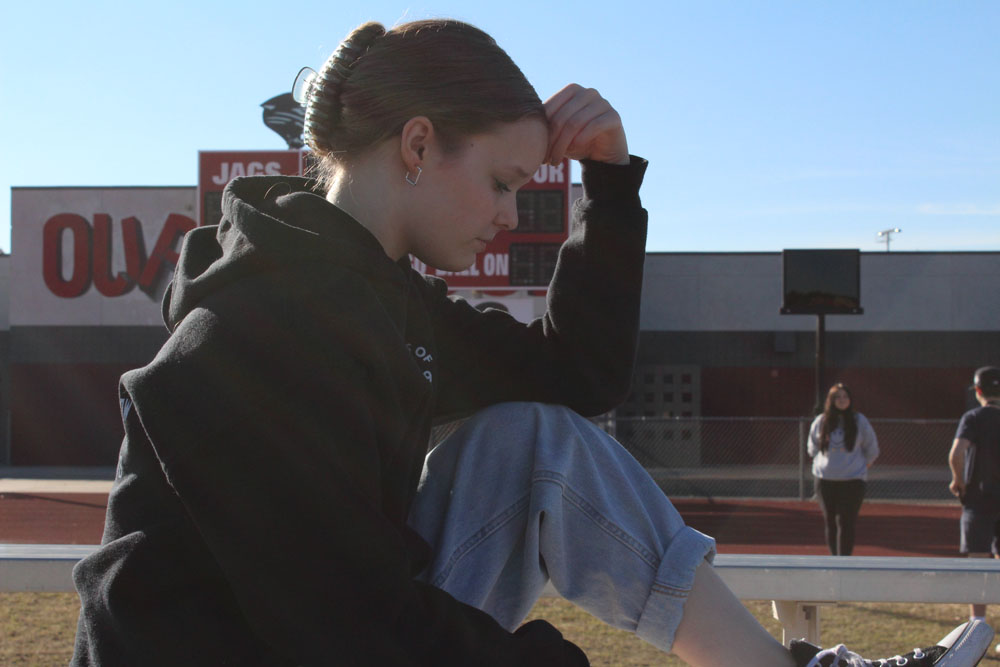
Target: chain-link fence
766,457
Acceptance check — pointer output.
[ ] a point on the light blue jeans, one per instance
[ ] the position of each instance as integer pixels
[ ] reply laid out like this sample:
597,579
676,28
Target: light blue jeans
524,493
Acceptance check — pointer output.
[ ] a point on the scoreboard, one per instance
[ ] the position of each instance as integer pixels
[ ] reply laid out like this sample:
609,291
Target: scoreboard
524,258
217,168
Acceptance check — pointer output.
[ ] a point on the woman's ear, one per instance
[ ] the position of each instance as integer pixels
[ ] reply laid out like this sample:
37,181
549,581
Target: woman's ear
418,132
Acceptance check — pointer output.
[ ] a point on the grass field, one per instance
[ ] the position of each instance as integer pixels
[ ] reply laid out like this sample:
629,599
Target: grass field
36,629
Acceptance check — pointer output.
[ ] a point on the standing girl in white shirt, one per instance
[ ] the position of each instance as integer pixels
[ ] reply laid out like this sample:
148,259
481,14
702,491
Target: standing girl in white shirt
843,446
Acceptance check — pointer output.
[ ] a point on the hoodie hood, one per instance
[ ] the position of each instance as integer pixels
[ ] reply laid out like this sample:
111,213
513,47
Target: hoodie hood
269,222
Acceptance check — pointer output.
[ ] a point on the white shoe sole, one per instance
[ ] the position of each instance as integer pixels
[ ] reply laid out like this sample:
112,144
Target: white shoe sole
967,644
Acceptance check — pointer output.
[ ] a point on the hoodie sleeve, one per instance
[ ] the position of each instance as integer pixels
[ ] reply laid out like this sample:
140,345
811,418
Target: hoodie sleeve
581,352
271,447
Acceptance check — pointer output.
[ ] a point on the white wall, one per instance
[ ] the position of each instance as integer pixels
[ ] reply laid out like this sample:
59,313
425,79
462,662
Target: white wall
33,303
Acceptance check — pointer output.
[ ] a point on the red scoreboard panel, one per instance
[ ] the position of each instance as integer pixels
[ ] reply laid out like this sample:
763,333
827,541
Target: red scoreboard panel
521,259
526,257
217,168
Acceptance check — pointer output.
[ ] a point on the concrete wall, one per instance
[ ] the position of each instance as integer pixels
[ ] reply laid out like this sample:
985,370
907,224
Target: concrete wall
4,359
904,291
929,320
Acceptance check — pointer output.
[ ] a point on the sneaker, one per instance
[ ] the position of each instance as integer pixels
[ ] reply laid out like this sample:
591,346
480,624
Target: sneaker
962,647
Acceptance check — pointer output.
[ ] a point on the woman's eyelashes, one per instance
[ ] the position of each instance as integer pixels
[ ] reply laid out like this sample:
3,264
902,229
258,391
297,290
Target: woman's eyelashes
501,186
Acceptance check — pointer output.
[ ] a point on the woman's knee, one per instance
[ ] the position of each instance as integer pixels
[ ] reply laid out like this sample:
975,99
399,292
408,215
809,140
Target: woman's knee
525,412
527,434
503,434
529,423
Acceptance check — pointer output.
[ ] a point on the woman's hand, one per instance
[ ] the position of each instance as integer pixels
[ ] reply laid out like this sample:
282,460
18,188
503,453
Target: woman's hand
584,126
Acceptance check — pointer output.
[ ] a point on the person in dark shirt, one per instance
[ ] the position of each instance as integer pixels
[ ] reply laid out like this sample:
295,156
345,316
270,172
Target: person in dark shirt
974,460
273,503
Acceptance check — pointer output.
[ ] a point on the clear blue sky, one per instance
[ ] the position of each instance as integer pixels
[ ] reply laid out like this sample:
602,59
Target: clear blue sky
768,125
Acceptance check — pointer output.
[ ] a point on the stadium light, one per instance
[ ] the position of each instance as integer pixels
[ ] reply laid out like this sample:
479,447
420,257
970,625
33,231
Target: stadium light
887,235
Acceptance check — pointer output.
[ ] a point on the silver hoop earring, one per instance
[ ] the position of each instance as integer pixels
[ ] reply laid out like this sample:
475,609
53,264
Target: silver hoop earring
414,181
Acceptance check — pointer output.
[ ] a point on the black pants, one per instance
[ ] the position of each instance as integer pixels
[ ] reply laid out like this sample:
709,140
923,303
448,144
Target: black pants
841,502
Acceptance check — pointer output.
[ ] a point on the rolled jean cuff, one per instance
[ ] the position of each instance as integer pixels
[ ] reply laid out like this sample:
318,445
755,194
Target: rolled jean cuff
664,607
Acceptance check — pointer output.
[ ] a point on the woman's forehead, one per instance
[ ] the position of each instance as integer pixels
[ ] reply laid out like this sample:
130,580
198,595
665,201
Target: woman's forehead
518,147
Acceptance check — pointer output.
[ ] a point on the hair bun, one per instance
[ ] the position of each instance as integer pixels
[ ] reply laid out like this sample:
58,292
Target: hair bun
322,89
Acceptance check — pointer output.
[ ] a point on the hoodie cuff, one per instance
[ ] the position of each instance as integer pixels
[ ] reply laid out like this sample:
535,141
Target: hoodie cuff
618,183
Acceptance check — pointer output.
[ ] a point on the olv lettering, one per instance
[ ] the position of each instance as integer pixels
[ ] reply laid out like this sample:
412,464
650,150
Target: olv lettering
92,254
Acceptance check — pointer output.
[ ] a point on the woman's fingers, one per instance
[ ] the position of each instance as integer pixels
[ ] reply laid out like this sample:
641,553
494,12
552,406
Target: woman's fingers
583,125
568,117
563,110
556,101
595,134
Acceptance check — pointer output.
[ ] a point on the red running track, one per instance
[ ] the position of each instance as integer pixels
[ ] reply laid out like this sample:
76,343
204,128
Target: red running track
739,526
796,527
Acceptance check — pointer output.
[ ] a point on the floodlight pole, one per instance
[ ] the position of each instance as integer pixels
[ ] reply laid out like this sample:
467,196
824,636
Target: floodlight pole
820,357
808,294
887,235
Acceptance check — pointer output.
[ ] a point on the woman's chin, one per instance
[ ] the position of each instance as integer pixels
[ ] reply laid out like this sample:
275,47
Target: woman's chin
453,262
458,265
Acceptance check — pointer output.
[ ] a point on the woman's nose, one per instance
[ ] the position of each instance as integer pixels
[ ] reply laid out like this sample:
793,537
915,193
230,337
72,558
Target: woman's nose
507,215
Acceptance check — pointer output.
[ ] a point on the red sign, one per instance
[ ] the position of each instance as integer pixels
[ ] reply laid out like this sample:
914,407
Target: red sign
522,259
217,168
525,257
